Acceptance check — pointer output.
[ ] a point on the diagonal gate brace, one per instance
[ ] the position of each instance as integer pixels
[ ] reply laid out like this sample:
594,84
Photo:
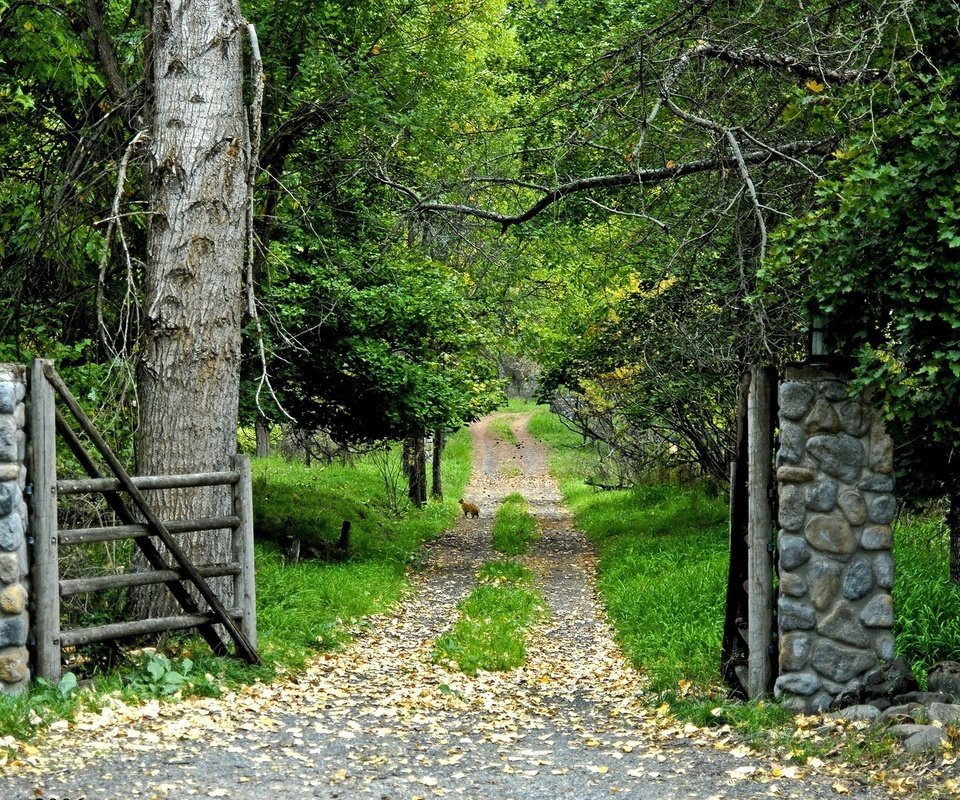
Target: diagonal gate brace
152,521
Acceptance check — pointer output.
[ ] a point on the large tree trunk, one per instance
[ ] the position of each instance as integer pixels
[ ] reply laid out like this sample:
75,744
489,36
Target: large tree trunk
189,366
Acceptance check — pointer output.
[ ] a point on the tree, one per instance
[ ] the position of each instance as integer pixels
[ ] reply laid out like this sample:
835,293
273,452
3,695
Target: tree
189,358
878,256
687,134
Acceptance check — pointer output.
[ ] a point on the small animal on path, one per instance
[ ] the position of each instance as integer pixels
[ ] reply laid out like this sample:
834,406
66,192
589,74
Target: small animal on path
469,509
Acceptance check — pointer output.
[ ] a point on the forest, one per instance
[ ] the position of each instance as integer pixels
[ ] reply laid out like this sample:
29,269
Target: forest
366,221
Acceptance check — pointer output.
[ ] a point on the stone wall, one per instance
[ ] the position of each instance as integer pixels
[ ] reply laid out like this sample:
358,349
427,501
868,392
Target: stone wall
835,482
14,621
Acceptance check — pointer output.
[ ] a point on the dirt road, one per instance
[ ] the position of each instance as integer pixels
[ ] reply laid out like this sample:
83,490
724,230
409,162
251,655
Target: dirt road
379,719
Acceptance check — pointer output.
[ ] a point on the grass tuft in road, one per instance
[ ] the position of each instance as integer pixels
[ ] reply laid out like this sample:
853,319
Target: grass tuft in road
489,635
505,571
514,528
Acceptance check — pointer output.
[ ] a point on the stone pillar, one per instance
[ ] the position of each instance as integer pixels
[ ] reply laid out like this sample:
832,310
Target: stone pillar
835,482
14,584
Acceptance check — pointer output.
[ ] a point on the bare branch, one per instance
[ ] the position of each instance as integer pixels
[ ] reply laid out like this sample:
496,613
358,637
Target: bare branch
640,177
753,57
636,214
114,223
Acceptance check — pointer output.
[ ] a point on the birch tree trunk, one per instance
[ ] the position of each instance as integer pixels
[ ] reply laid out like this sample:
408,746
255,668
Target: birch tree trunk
189,364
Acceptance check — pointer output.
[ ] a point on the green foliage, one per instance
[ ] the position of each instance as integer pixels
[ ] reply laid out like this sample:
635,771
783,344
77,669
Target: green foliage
927,604
160,677
514,528
879,256
388,346
489,634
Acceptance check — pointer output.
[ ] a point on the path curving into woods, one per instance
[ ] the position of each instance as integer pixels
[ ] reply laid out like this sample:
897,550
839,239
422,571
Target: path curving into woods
378,719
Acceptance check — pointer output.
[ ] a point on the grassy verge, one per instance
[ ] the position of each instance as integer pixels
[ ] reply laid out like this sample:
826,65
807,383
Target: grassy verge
927,604
514,528
490,633
301,607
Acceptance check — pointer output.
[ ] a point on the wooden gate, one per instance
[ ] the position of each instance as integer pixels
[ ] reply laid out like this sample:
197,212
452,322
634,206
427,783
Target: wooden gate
125,497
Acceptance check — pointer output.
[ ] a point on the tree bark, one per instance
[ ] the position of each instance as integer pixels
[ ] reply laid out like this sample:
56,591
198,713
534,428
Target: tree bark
415,465
189,367
262,431
439,441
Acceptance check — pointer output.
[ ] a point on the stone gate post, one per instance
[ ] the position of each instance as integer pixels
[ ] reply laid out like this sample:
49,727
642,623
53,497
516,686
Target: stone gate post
835,482
14,580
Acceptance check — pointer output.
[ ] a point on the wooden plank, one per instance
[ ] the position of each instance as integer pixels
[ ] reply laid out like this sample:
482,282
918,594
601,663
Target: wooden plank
146,545
72,586
46,565
140,627
760,534
244,583
112,533
89,485
157,527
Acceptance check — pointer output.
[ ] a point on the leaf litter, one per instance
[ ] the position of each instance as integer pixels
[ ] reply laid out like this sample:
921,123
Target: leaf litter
379,718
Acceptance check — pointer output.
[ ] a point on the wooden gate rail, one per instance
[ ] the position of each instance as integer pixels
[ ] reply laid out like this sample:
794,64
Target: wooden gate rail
46,422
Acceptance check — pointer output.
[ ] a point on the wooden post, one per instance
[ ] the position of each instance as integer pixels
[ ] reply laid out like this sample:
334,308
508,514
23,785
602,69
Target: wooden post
733,661
244,586
46,567
760,526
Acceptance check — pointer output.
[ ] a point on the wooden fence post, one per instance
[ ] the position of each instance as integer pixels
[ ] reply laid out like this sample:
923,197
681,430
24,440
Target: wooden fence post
244,591
46,567
760,526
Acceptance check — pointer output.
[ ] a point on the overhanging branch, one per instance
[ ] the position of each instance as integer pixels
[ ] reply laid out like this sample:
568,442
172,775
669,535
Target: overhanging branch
639,177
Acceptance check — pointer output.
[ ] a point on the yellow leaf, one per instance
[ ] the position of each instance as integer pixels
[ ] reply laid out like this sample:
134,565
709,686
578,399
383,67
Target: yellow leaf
839,788
671,165
815,86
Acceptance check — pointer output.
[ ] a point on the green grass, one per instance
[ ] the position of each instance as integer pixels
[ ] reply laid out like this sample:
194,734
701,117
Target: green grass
503,572
502,428
514,528
301,607
927,604
489,635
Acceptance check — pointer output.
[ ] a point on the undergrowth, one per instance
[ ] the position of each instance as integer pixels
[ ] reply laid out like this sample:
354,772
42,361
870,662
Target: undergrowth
927,604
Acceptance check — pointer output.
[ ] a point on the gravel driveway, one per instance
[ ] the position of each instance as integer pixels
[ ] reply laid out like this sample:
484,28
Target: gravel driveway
379,719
